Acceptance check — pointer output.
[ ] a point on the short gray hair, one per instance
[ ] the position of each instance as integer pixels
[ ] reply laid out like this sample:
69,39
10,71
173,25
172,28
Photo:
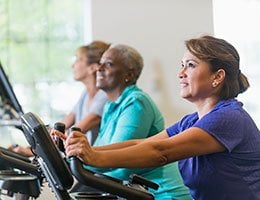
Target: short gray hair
131,58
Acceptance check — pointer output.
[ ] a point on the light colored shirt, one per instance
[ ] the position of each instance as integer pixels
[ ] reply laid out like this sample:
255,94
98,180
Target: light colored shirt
81,110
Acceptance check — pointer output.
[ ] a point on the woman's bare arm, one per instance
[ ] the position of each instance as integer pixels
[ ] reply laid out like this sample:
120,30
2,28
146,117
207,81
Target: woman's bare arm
151,152
69,120
88,122
129,143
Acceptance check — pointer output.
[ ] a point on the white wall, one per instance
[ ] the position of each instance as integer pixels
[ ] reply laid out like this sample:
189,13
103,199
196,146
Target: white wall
157,28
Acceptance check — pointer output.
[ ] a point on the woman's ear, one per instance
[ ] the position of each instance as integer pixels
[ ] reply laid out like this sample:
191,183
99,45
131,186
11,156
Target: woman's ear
219,77
221,74
130,76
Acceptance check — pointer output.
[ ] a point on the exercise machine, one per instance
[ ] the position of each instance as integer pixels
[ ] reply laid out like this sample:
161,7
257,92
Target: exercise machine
59,171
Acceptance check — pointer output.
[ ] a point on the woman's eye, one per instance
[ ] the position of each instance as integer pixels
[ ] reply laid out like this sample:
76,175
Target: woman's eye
79,59
191,65
108,64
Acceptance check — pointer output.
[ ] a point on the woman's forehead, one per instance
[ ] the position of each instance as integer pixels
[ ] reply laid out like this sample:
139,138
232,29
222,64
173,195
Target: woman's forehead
111,54
81,51
189,56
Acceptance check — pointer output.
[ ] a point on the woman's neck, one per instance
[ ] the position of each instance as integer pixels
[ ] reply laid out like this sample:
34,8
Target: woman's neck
113,95
92,90
90,85
205,106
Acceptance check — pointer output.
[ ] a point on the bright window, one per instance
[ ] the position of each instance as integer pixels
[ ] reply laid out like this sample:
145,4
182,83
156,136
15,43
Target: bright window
37,43
237,22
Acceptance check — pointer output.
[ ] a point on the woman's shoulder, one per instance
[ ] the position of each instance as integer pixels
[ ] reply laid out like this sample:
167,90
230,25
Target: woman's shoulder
228,105
229,110
139,101
137,93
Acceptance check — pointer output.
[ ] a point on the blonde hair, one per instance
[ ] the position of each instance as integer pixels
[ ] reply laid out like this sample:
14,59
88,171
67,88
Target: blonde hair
94,51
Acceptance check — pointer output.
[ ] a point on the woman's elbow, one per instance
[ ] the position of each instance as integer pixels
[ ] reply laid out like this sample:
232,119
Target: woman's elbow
159,155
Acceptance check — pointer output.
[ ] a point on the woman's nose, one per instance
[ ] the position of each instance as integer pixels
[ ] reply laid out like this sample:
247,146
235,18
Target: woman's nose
100,67
182,72
72,65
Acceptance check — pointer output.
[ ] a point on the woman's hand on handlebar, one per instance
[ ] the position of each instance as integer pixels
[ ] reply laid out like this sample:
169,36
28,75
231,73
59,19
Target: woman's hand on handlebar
57,134
76,144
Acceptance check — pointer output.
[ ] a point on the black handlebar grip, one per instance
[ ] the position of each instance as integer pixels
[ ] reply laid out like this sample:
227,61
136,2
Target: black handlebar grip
137,179
74,128
60,127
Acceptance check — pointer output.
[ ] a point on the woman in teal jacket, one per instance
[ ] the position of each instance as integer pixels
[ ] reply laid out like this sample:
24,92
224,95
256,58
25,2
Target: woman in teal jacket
130,114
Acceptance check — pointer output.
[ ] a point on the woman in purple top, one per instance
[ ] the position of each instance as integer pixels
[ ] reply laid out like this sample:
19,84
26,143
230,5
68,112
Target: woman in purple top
218,147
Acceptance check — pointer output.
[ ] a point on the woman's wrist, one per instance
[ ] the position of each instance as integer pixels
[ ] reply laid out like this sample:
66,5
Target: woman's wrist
96,158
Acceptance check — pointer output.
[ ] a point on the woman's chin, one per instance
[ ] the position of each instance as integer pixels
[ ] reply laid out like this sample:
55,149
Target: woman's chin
185,96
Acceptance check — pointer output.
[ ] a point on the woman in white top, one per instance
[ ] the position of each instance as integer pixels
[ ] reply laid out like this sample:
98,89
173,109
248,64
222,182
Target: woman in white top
87,112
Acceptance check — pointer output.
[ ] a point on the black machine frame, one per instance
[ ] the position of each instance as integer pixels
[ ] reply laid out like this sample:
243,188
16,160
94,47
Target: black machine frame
7,93
59,174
